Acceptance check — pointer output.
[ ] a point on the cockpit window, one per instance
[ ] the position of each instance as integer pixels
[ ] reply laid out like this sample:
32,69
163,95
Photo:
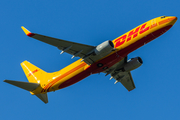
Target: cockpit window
163,17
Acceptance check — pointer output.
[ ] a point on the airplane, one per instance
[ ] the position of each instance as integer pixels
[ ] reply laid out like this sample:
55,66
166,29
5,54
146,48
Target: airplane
109,57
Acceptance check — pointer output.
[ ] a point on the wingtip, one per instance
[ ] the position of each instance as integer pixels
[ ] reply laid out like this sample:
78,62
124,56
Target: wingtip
4,80
27,32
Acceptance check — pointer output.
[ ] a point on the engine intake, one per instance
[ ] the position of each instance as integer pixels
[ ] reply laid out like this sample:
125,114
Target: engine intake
132,64
104,48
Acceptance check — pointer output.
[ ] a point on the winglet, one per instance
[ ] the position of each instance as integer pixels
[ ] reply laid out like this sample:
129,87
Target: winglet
27,32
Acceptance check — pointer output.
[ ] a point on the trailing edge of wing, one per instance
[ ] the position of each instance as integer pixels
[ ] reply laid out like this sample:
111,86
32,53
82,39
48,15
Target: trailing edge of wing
75,49
127,81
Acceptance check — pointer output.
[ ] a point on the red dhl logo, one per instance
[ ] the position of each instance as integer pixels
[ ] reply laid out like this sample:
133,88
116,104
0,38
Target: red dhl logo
32,72
132,34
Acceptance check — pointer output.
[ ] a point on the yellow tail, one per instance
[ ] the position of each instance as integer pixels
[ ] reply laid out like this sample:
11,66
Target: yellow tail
33,73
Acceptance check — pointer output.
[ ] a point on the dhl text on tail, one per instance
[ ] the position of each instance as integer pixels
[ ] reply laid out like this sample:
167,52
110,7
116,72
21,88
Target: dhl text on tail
110,57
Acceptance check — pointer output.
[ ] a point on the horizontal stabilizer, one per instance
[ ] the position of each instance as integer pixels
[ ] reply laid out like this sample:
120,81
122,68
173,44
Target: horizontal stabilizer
24,85
43,97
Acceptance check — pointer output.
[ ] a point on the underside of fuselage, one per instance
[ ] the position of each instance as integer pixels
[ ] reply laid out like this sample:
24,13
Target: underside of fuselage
114,58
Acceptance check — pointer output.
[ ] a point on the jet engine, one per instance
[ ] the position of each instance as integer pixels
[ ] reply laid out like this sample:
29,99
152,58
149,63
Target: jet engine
99,52
132,64
104,48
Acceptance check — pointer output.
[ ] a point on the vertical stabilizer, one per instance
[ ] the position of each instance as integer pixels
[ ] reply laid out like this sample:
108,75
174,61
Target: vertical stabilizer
33,73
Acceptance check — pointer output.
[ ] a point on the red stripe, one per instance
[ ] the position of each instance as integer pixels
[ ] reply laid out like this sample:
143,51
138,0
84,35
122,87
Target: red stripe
67,73
30,34
49,85
116,57
163,21
113,59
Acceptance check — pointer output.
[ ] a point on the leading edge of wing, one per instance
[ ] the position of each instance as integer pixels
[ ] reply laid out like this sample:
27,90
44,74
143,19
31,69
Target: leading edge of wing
66,46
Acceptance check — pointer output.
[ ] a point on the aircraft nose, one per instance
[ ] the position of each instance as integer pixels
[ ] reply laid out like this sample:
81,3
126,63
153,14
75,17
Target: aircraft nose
173,19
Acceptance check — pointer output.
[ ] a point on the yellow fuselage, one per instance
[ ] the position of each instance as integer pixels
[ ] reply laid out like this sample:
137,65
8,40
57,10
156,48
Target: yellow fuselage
124,44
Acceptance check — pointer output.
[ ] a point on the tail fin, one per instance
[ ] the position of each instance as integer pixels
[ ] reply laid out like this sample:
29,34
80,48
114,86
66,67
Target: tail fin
35,77
33,73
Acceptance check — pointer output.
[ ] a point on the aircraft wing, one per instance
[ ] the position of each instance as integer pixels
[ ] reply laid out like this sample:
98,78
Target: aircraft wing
75,49
124,78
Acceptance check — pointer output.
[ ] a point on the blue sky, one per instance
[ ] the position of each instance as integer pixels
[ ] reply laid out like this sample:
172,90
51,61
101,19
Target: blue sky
157,92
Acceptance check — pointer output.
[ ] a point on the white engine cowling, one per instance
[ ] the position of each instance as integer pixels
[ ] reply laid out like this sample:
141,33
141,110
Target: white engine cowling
104,48
132,64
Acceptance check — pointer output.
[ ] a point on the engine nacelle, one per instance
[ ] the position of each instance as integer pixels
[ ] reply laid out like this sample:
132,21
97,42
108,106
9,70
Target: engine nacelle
104,48
132,64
